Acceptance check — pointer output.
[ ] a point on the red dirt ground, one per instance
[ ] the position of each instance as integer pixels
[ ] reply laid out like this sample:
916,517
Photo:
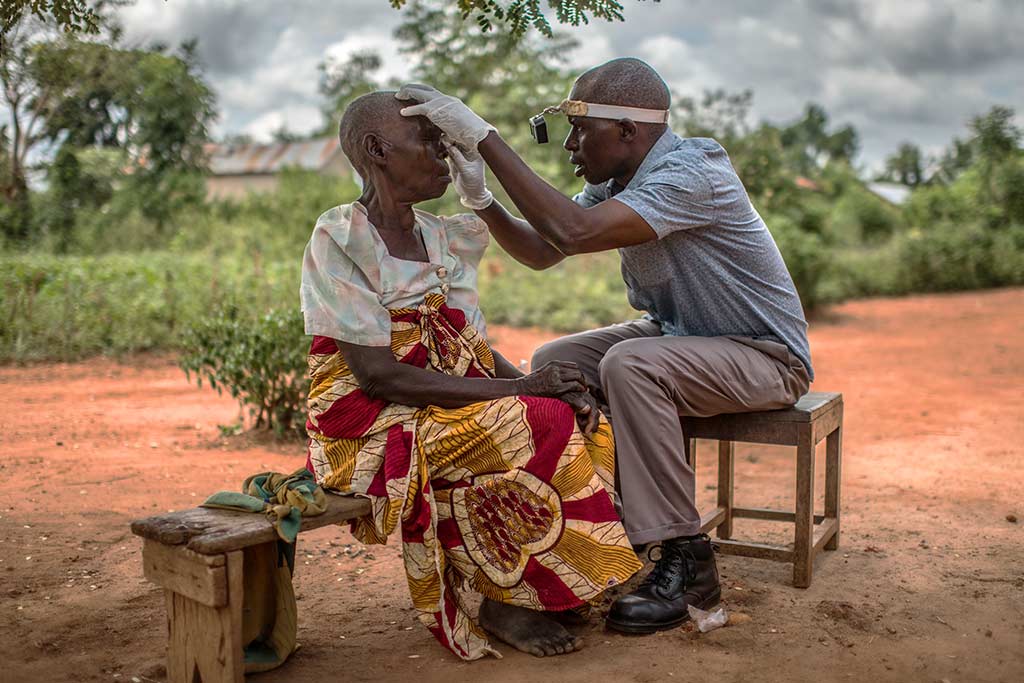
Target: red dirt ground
928,583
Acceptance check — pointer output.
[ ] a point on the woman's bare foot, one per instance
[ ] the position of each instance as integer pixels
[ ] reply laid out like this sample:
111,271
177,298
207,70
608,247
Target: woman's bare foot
526,629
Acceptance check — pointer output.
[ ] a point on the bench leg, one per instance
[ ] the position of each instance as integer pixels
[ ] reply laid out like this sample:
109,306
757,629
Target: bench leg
205,643
726,459
803,552
833,470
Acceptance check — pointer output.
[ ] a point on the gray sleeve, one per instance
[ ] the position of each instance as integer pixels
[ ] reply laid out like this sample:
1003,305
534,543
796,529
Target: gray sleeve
591,195
676,196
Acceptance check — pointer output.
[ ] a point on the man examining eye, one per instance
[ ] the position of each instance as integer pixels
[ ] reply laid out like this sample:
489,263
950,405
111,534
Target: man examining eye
723,330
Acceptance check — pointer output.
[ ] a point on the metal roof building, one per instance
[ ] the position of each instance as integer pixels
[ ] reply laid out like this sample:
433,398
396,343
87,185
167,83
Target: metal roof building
236,170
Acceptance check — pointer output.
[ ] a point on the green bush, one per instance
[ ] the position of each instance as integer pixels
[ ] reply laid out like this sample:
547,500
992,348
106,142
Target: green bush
862,271
861,218
68,307
805,255
580,293
946,258
259,360
953,258
958,203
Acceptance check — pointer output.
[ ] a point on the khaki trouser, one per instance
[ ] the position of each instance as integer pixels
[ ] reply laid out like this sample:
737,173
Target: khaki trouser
646,382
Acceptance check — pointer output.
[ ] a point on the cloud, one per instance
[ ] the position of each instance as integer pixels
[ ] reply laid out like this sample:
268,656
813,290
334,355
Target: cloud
393,63
909,70
298,118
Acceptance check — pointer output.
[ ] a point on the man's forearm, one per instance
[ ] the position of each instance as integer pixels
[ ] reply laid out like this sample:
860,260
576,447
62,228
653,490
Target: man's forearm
518,238
558,219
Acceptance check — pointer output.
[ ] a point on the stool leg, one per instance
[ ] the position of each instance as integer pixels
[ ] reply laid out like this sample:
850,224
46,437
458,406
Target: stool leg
726,459
205,643
803,556
833,469
690,449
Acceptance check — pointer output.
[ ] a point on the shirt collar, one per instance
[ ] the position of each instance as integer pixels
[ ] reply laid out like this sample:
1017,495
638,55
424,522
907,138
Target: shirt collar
662,147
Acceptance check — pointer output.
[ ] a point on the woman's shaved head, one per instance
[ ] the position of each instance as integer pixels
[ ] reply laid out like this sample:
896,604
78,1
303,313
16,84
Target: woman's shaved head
626,82
377,112
400,157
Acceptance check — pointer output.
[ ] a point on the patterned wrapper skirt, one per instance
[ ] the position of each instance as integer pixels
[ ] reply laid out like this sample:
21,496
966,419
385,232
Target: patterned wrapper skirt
506,498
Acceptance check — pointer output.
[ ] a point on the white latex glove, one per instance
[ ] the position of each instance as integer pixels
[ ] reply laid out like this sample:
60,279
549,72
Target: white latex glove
468,177
450,114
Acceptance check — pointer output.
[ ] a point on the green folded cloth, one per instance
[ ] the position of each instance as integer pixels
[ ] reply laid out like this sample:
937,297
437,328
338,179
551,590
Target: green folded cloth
269,615
285,498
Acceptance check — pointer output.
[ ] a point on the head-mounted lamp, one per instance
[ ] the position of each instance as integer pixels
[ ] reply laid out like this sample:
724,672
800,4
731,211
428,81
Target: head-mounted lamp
539,127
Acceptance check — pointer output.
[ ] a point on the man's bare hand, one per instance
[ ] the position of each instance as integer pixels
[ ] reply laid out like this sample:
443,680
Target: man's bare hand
585,407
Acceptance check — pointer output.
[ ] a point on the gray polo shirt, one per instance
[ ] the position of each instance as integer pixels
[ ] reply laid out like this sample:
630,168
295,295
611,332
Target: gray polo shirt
714,269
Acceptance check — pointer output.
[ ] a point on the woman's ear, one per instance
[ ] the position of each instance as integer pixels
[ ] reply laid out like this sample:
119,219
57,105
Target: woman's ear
376,148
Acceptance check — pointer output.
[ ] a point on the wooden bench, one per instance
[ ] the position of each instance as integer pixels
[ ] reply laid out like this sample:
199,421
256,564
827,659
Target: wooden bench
815,417
198,557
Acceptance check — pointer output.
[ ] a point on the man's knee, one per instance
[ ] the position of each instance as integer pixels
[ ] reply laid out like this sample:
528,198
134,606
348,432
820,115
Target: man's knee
624,362
557,349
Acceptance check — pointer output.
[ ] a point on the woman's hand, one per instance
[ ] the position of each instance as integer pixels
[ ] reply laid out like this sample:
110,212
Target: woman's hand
585,406
553,380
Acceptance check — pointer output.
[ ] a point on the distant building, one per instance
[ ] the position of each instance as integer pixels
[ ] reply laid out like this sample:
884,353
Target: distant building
237,170
894,193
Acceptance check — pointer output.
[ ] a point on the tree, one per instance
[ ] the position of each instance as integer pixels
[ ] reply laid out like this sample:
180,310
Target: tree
519,15
956,159
905,166
505,79
718,114
25,100
994,135
72,16
343,81
151,104
813,145
26,24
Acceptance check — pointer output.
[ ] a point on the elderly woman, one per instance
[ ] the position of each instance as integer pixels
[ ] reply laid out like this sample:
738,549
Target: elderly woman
500,482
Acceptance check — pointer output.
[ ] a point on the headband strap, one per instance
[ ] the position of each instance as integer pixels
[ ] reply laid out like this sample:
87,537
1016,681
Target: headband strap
609,111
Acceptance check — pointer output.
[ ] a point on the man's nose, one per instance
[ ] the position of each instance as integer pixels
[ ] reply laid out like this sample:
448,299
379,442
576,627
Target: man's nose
570,144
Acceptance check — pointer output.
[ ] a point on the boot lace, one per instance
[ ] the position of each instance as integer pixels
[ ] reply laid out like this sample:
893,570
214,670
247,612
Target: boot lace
676,562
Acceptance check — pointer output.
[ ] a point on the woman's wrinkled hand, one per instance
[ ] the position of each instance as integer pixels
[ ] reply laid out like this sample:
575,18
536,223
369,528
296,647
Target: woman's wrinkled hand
552,380
585,406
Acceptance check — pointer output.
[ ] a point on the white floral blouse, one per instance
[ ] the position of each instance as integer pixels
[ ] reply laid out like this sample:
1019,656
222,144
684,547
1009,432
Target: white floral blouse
349,280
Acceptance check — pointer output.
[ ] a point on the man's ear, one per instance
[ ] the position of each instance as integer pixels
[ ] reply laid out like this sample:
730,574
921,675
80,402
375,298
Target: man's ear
627,130
376,148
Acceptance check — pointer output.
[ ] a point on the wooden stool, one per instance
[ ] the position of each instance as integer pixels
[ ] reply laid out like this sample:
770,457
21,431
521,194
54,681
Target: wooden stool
815,417
198,557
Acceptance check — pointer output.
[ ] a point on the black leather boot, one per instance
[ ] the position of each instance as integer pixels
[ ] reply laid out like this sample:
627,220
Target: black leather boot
685,574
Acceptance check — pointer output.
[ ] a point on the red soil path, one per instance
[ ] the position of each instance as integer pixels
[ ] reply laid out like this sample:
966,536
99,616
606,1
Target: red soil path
928,583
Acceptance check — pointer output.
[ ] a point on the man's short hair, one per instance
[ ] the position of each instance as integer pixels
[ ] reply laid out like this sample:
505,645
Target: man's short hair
370,113
626,82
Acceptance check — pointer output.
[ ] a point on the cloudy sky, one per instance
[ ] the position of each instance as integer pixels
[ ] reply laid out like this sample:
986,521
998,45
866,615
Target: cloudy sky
895,69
